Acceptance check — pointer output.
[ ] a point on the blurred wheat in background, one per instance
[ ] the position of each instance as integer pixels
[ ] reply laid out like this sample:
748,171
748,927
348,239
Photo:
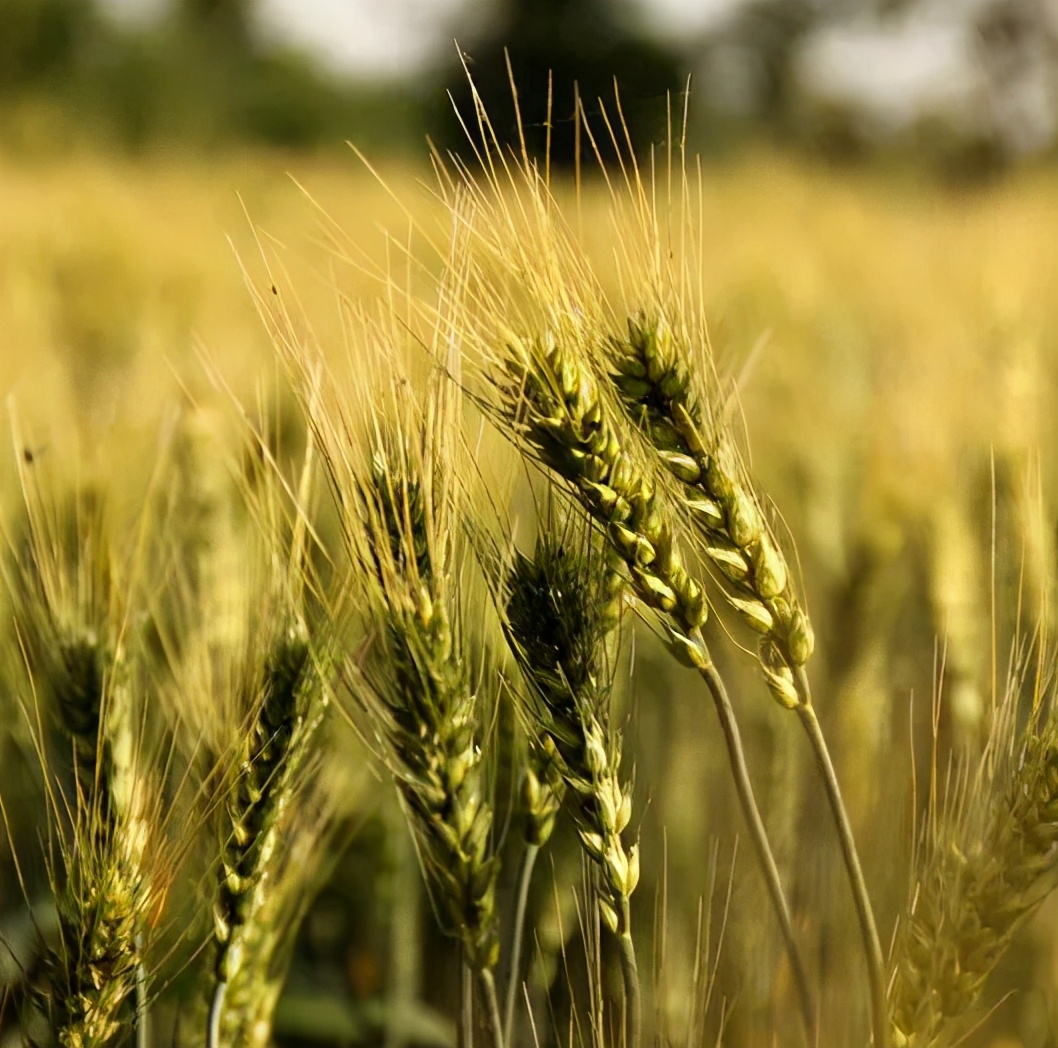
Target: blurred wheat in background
553,589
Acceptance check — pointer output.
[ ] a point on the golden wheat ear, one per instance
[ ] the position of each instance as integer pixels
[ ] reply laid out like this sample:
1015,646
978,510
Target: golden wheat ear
653,370
987,863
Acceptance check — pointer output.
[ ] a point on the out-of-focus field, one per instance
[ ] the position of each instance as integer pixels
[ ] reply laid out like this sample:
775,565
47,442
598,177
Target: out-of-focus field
885,325
895,349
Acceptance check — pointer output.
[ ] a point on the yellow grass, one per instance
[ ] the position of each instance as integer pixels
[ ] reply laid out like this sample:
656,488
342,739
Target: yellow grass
908,319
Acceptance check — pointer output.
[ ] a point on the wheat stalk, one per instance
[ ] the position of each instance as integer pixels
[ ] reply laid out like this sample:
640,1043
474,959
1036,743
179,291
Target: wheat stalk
652,371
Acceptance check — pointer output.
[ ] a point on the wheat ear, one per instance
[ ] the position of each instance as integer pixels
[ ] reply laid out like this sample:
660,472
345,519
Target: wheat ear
68,610
547,396
103,904
988,865
287,703
561,607
403,530
651,369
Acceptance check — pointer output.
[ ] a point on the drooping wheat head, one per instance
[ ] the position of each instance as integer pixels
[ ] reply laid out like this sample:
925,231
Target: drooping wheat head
653,371
535,320
659,391
551,400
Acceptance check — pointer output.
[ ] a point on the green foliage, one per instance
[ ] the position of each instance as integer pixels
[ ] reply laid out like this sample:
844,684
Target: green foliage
43,40
199,79
578,47
226,21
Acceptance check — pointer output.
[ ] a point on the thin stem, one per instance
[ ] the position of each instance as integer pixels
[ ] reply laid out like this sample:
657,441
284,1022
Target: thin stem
143,1039
514,976
759,836
216,1007
871,944
492,1007
404,938
630,976
468,1007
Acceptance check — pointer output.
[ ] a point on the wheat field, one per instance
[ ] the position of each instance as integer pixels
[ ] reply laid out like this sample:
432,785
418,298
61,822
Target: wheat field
383,546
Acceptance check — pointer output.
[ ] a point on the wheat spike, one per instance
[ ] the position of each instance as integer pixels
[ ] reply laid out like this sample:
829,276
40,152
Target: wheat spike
561,607
988,865
70,607
653,375
287,701
545,394
651,369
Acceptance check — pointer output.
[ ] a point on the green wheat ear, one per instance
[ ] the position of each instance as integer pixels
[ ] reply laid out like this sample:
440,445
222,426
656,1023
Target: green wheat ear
69,601
652,372
278,693
562,605
423,681
417,688
545,394
105,898
287,703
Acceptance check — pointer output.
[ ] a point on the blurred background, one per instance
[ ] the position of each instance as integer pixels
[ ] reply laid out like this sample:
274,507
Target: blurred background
969,85
879,260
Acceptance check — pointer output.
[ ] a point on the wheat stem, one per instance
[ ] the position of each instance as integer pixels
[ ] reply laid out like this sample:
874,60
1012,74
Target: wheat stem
492,1007
216,1010
143,1036
872,946
467,996
514,976
759,837
630,977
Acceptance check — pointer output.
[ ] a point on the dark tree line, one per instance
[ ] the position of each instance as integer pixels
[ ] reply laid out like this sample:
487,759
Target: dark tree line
206,63
575,48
